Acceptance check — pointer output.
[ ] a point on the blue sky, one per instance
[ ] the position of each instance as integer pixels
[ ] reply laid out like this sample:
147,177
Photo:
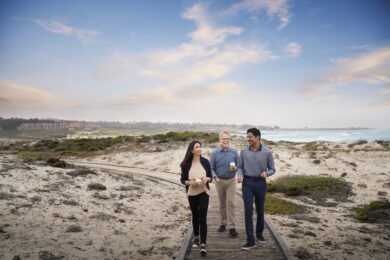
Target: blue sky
263,62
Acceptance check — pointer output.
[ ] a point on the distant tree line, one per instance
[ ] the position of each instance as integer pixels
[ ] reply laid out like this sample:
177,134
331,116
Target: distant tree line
13,123
169,126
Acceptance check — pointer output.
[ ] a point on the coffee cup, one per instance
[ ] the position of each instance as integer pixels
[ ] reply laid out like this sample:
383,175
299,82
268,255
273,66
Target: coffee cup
232,167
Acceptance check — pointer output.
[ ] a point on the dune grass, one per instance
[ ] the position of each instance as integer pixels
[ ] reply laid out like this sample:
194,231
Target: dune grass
52,148
358,142
310,146
377,211
318,188
275,205
384,144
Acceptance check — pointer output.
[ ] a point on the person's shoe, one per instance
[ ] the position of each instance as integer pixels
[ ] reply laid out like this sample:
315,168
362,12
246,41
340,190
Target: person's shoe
248,246
195,242
260,239
221,228
233,233
203,250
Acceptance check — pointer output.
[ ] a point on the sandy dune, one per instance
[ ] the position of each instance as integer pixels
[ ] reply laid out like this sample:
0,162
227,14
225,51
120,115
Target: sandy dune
46,211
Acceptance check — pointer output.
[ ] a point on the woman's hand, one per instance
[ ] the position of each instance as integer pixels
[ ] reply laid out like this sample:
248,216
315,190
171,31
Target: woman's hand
205,180
192,183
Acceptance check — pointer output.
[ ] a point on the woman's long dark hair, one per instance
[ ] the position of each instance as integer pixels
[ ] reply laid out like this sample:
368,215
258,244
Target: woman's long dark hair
189,156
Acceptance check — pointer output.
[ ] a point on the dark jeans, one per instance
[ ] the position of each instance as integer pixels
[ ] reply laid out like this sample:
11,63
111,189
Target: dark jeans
199,205
257,189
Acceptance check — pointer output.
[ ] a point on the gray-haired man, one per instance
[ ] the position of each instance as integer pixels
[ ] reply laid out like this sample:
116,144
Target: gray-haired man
224,161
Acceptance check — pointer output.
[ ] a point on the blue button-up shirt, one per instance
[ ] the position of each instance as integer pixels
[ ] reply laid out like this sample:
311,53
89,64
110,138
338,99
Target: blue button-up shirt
253,163
220,160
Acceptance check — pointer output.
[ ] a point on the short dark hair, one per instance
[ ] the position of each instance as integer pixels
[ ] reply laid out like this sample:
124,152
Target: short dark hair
256,132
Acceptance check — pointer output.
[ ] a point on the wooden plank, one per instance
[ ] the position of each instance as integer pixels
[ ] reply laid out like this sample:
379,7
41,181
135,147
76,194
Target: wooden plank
222,246
185,245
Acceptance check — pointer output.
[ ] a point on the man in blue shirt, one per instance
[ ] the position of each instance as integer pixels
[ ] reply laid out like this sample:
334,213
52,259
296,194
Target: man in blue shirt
256,164
224,161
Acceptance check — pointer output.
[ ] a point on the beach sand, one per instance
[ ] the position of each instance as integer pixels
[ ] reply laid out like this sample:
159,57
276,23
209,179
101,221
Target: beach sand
47,213
148,221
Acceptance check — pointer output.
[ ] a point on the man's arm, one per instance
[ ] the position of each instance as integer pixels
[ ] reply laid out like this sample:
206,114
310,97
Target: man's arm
270,164
213,164
240,164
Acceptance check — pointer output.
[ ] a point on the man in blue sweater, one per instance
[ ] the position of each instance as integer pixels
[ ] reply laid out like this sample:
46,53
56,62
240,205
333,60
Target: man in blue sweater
224,161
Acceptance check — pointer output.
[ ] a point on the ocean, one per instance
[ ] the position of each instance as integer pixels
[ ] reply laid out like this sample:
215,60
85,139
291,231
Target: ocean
347,135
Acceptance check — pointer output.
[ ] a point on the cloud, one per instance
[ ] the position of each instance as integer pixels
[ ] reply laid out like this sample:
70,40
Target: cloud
368,69
206,57
293,49
313,90
372,68
221,63
207,33
273,8
384,91
166,95
218,89
147,97
85,35
324,98
28,96
384,103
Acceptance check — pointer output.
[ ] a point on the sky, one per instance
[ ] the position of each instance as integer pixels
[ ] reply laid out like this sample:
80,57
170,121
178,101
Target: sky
290,63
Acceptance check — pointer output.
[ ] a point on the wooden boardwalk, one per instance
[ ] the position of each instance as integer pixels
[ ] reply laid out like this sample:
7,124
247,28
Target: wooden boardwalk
219,245
222,246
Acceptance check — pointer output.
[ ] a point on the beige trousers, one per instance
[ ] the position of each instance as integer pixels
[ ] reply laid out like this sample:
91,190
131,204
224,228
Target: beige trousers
226,190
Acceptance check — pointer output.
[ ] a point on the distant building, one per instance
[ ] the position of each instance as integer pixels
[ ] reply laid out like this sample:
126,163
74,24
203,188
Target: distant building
82,125
44,126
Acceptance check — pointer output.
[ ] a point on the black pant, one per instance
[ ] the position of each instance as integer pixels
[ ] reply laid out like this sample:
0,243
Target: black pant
199,205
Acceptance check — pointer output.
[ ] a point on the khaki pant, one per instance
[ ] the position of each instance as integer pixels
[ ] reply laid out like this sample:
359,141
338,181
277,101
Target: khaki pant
226,190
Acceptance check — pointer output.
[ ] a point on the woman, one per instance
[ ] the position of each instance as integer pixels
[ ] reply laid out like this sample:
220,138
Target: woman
196,175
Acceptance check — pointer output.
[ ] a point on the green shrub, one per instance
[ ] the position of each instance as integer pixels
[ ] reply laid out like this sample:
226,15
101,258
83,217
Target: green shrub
274,205
311,146
55,162
316,161
377,211
358,142
383,143
46,149
96,186
316,187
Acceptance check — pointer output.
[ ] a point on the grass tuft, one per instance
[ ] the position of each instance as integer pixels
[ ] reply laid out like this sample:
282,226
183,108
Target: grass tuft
318,188
275,205
74,228
56,162
96,186
358,142
84,147
377,211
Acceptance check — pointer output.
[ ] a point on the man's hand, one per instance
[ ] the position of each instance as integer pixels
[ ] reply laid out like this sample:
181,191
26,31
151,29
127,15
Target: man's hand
217,179
264,175
239,179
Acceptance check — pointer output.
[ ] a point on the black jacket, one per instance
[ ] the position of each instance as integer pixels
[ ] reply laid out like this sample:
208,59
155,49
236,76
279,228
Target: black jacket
186,169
